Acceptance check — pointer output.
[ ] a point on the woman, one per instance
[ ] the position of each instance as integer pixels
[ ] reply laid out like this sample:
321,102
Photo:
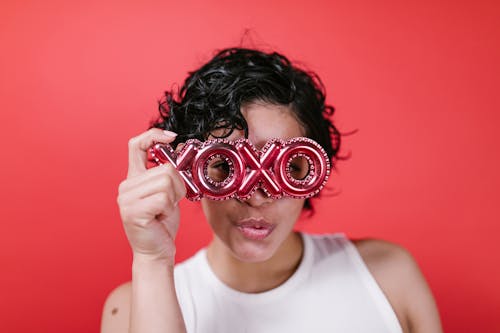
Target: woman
257,274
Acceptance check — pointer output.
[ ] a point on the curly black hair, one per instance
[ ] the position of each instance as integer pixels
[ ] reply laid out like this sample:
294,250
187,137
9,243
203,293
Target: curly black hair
211,98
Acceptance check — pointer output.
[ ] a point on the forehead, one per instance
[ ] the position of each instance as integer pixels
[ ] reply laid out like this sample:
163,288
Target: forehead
267,121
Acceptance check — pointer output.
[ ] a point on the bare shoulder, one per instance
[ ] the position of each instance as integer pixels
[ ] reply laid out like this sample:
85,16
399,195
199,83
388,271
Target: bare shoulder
116,311
399,276
384,256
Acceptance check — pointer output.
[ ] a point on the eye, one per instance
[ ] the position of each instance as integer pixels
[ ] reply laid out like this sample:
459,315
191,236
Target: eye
299,168
218,169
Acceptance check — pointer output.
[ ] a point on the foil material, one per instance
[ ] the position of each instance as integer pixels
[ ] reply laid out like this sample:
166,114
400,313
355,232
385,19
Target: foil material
221,169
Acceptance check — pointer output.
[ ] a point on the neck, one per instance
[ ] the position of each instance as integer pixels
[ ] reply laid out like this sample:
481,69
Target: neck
256,277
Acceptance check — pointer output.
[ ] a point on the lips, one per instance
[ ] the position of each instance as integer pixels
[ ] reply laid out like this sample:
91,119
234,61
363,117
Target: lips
255,229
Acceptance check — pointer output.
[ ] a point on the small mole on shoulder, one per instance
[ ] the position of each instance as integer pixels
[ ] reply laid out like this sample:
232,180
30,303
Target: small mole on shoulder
114,311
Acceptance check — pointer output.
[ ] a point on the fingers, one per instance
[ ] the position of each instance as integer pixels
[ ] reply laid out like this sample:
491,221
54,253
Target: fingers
179,185
143,212
139,146
148,198
149,175
162,179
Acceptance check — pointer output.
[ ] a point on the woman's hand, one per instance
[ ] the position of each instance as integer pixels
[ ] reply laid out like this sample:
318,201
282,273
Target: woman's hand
148,200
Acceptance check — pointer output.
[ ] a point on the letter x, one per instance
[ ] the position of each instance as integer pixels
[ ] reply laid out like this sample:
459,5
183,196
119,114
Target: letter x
259,165
182,162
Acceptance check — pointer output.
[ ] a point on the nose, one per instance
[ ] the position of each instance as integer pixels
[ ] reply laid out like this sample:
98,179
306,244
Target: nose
258,198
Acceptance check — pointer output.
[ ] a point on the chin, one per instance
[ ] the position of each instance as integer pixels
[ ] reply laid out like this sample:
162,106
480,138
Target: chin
253,253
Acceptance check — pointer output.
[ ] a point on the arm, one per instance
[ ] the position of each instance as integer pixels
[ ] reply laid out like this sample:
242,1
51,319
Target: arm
401,280
154,305
148,201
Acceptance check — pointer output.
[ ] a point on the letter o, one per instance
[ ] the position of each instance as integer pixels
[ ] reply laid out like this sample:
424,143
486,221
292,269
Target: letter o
319,168
218,190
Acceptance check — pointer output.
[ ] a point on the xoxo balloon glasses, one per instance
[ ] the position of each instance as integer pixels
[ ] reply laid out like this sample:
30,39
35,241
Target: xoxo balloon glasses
221,169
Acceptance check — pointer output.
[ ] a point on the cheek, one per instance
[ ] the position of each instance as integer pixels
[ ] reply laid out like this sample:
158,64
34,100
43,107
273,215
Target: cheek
215,210
208,209
291,207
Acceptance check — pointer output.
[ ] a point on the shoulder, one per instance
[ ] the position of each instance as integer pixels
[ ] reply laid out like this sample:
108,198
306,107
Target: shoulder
116,311
383,257
398,275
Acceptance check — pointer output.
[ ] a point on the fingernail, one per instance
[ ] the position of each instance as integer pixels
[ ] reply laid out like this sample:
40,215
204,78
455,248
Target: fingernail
170,133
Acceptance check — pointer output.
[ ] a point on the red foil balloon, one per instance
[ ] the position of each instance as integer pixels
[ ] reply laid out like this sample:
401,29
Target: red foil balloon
221,169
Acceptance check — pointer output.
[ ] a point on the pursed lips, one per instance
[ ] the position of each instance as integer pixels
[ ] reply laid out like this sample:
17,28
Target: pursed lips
255,228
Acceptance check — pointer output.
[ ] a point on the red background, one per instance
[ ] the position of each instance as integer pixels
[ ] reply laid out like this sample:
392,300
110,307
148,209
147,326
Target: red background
77,79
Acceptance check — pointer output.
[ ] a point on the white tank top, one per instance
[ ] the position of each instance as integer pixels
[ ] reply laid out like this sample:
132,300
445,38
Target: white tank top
331,291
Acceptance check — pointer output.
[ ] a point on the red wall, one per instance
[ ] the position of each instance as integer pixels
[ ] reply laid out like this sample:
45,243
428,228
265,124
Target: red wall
77,79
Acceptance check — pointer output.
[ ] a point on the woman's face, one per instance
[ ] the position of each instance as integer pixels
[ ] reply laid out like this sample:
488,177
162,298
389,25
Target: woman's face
252,230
